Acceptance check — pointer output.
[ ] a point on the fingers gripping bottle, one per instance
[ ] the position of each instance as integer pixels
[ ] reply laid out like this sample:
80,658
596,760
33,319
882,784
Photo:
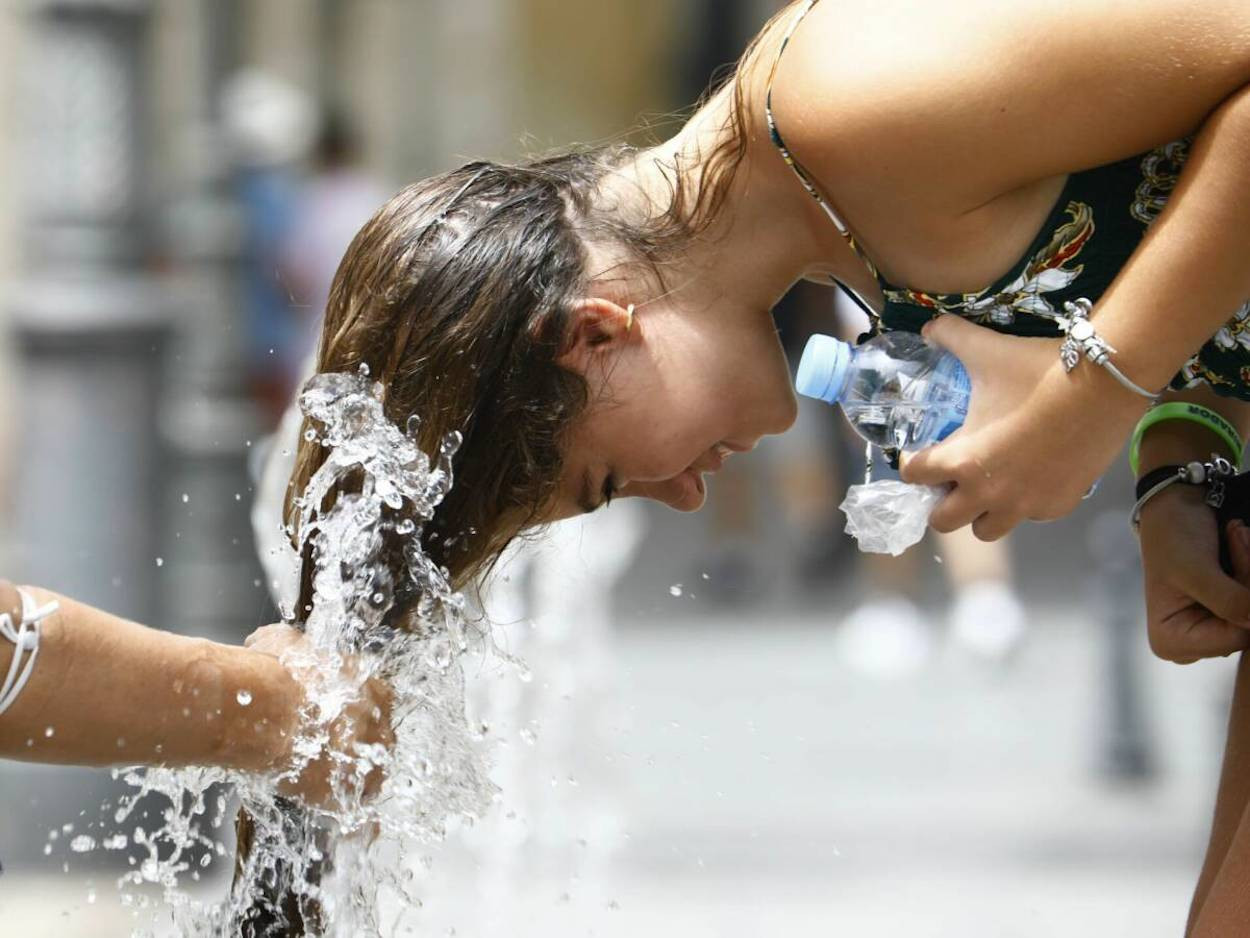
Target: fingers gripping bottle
897,390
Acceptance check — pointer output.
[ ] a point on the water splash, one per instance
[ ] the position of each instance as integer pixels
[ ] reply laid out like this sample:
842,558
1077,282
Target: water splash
380,602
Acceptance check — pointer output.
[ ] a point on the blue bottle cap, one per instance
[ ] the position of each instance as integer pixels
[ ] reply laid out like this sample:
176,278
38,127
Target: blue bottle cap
822,369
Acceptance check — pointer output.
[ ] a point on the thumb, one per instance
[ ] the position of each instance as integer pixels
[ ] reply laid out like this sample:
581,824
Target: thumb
967,341
929,466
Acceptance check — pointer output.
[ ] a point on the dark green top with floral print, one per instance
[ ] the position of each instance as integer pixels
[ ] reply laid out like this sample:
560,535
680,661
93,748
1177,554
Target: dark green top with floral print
1093,228
1096,223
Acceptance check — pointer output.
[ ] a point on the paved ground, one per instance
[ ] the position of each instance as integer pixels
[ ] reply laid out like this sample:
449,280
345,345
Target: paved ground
761,788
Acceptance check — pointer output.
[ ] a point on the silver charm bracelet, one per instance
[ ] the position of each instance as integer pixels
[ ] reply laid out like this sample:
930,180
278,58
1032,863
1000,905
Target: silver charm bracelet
1083,340
1213,475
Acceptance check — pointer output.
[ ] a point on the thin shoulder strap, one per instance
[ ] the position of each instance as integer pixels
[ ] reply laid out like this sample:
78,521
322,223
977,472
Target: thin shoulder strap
775,135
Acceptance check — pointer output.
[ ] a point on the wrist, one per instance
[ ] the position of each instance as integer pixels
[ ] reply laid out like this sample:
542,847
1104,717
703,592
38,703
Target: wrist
259,704
1092,400
1176,442
1158,511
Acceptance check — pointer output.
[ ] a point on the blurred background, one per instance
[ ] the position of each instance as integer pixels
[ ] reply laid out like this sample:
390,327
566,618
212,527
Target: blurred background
738,725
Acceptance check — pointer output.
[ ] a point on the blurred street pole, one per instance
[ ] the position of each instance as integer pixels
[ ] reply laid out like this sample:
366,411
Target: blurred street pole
1127,750
91,325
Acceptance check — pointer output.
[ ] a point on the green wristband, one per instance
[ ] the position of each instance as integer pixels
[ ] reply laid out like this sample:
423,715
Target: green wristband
1195,413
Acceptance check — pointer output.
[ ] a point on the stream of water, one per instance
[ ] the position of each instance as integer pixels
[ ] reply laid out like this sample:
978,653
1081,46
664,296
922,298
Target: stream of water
357,864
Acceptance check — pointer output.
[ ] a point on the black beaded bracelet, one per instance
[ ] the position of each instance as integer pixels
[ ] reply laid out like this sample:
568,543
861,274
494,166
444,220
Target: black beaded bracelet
1155,476
1211,474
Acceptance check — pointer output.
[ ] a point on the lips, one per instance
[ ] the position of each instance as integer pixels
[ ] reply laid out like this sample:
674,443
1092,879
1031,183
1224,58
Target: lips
713,459
687,490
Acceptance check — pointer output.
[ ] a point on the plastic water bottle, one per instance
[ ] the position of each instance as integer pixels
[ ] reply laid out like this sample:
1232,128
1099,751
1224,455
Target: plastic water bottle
897,390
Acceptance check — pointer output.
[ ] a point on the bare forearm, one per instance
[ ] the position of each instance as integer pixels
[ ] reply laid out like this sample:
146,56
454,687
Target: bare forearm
107,691
1189,275
1219,901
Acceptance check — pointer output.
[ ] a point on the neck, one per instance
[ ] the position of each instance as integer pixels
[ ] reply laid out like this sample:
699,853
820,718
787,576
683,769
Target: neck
767,234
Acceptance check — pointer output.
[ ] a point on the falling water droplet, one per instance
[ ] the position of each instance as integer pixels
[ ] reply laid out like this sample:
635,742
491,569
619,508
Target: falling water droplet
185,498
675,589
49,732
244,697
310,435
82,843
405,526
160,561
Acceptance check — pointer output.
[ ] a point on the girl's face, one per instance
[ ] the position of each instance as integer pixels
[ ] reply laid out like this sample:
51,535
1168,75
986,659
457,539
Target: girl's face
672,395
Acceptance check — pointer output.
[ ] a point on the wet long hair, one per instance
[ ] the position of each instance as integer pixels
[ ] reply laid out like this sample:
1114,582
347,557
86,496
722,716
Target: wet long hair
458,296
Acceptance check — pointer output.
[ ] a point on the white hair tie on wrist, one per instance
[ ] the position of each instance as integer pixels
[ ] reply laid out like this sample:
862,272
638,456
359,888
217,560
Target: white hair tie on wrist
25,637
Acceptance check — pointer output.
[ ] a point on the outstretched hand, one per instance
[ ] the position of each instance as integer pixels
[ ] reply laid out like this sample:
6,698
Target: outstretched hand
363,722
1036,438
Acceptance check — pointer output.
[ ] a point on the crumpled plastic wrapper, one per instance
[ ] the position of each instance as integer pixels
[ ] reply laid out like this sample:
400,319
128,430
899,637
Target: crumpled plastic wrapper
889,516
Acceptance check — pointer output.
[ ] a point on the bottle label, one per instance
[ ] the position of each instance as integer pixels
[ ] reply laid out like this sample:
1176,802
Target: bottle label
951,375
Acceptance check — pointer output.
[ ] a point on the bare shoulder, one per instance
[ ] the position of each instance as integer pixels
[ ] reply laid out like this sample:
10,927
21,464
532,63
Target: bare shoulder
990,96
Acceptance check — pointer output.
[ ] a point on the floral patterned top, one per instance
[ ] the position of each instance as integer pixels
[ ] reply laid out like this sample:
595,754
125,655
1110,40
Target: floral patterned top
1093,228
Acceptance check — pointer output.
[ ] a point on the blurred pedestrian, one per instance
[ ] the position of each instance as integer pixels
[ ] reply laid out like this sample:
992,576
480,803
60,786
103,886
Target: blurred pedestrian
891,632
334,200
270,124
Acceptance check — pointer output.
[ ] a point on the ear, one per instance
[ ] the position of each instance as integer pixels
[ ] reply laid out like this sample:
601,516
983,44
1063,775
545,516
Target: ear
596,327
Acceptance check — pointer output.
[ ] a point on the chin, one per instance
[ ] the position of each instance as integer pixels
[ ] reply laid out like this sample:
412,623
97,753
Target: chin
690,492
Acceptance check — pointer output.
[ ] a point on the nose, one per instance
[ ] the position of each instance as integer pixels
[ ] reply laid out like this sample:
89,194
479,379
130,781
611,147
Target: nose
782,414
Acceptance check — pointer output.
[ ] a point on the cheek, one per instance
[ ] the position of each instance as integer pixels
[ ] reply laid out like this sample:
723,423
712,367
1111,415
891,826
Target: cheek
659,435
761,401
